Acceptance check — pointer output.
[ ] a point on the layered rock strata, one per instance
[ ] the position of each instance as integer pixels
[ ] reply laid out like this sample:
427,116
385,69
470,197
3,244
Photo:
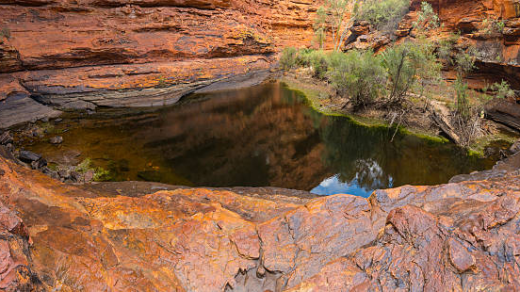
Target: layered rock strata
93,53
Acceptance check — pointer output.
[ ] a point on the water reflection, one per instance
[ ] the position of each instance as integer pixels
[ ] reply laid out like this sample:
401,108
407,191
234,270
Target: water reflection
260,136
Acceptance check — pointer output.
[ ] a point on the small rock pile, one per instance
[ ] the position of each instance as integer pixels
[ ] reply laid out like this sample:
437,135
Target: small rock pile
63,173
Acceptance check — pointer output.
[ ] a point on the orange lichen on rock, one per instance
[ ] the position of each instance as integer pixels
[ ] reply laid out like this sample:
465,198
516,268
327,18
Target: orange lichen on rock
449,236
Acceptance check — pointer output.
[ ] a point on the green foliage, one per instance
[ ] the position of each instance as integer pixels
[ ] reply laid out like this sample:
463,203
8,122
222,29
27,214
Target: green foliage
100,174
5,32
384,14
357,74
461,94
84,166
303,57
465,63
503,90
162,82
409,63
491,26
320,26
317,60
288,58
446,47
427,19
400,69
465,60
336,10
331,17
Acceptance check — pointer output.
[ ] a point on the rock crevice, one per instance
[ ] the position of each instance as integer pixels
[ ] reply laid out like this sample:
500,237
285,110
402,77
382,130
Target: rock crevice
458,236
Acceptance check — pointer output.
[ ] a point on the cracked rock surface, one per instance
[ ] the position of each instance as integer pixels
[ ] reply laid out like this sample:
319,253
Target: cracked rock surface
461,236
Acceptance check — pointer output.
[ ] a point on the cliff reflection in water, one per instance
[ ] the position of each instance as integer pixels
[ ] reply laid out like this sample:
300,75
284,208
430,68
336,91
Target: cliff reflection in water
260,136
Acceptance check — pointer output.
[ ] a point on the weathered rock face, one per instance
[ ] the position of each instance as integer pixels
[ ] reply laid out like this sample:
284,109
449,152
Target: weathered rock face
71,48
479,24
89,53
490,26
459,237
151,52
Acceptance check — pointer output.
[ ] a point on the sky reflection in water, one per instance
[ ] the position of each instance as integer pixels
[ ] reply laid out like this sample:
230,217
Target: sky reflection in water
260,136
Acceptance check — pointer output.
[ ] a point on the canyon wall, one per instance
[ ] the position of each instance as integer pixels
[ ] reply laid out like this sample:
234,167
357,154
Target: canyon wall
88,53
499,50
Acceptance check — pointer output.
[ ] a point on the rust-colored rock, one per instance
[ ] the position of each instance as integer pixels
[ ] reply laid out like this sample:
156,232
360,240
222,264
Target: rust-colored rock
90,53
177,40
449,237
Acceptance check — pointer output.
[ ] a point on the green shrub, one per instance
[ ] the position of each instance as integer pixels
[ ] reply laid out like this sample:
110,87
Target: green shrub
384,14
427,19
320,64
320,26
409,63
491,26
503,90
445,48
317,60
465,60
357,74
161,82
303,57
335,12
101,174
84,166
288,58
461,94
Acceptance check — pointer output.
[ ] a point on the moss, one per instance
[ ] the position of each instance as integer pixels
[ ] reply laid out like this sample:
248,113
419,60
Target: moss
480,144
48,128
425,135
84,166
474,153
314,96
100,174
52,166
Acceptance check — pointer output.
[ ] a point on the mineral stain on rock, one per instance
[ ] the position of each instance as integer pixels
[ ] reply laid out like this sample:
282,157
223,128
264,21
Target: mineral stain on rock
439,237
139,236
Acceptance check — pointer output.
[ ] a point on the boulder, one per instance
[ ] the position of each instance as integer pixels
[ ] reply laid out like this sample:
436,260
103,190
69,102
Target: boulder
504,112
28,156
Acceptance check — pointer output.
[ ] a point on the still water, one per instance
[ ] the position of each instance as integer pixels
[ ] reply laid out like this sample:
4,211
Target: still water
260,136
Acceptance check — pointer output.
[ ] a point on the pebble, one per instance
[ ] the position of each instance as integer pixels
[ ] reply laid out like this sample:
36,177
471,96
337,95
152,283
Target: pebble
56,140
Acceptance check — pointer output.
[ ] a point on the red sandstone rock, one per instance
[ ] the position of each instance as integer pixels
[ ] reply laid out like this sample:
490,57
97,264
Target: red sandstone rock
80,55
449,237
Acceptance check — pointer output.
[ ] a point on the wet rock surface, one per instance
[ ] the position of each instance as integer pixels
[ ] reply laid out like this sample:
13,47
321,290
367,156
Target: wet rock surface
122,236
56,140
28,156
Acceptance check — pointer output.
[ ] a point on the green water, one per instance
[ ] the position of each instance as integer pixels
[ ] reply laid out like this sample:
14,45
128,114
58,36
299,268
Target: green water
260,136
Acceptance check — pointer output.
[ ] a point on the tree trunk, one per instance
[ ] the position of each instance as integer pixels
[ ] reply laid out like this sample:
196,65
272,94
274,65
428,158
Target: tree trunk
440,116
